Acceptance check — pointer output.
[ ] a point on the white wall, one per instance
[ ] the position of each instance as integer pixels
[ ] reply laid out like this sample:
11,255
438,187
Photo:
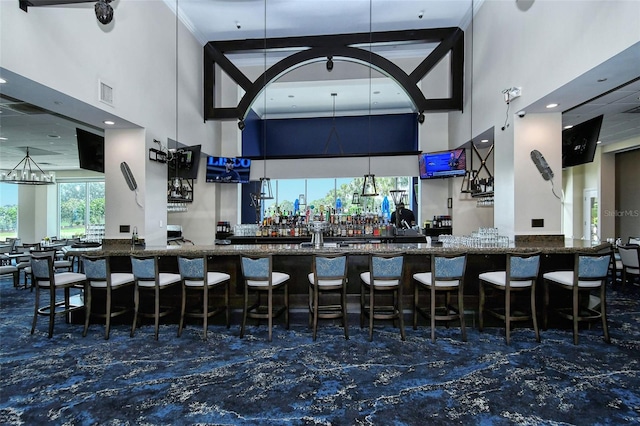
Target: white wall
69,51
540,50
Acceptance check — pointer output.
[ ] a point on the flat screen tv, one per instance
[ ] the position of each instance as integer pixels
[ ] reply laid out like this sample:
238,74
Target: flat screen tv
579,142
185,162
90,150
228,170
443,164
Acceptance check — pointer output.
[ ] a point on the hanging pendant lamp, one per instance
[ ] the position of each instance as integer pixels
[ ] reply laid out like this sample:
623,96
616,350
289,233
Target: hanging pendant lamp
369,185
265,183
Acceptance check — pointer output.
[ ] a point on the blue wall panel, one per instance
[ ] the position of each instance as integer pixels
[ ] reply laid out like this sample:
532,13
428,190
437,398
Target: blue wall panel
317,137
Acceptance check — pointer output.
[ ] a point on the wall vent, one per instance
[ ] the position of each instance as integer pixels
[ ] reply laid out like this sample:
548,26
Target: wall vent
105,93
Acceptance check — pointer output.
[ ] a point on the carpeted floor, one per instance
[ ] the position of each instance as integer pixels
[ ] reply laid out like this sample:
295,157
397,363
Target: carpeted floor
73,380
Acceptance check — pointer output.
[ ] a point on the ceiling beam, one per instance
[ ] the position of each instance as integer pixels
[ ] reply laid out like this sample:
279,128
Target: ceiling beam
448,39
25,4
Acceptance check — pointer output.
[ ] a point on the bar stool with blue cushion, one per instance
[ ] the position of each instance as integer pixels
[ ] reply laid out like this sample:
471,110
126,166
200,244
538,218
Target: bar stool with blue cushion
384,277
329,275
589,273
520,275
260,278
630,261
149,279
100,278
446,277
193,271
45,278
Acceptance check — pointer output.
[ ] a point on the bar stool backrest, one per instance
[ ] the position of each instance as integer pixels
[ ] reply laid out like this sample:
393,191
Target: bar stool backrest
42,264
592,267
448,267
192,268
144,268
384,267
523,268
96,268
256,268
330,268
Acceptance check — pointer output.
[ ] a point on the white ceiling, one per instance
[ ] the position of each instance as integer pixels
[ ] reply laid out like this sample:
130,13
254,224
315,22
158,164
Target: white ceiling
52,137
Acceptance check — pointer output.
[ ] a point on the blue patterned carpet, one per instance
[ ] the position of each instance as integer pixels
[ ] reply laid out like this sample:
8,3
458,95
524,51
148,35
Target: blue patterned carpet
226,380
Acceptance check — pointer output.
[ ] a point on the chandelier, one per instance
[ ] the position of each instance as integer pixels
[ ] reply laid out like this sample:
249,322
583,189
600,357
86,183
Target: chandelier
24,173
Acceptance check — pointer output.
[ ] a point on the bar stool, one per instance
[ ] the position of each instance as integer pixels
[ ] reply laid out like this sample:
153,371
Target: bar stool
446,277
259,278
520,275
44,278
383,277
589,273
193,271
100,278
149,279
329,275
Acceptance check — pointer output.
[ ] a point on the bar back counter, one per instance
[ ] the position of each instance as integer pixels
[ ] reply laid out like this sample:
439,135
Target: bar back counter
295,259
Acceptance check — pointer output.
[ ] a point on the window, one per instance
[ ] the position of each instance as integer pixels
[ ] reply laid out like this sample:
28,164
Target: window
8,211
81,208
325,193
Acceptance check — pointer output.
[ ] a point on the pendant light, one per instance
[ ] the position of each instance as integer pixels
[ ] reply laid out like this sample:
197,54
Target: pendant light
28,175
265,182
369,184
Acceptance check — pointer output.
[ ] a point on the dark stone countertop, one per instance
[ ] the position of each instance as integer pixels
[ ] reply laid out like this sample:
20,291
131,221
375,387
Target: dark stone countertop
569,246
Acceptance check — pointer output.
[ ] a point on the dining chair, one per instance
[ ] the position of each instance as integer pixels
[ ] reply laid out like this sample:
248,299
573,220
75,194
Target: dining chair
101,279
45,279
630,260
23,263
260,278
446,278
589,273
519,276
384,277
328,279
196,278
634,241
7,267
149,280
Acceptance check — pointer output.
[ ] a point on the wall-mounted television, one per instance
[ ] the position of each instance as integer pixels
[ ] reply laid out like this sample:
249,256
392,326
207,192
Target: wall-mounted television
579,142
185,162
90,150
443,164
228,170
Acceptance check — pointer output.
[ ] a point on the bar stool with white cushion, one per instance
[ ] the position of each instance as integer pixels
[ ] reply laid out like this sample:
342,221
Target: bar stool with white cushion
100,278
44,278
520,275
384,277
589,273
329,275
149,279
193,271
446,277
259,279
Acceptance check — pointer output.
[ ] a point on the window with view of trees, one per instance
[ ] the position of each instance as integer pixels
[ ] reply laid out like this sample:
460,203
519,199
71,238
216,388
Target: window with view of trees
81,204
8,211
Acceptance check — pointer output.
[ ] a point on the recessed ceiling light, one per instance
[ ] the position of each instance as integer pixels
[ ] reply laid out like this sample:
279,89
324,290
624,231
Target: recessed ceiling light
568,127
599,142
53,136
2,138
2,81
109,122
484,140
377,92
291,96
552,105
601,80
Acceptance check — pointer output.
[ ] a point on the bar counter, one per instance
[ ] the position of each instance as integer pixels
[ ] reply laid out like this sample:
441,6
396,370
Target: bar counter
296,260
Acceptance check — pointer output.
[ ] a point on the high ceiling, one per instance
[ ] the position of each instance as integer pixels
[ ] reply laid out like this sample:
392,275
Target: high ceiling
52,137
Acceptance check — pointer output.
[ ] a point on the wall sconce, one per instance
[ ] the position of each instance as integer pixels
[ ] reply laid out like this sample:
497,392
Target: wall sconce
104,11
329,63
